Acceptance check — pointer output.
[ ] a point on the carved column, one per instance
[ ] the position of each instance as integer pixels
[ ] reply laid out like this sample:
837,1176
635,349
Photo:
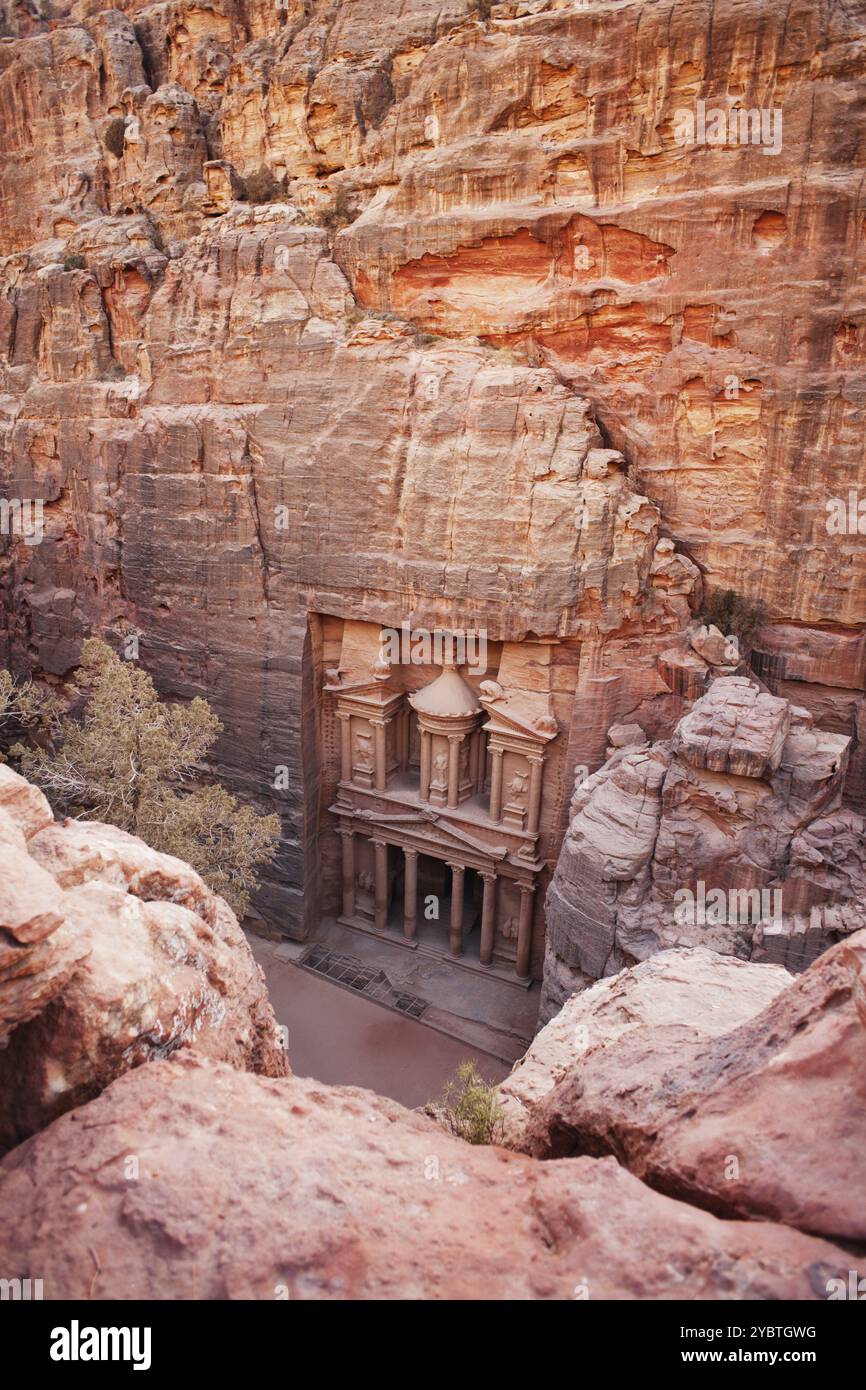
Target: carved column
380,775
536,763
426,756
381,884
348,838
456,939
496,785
345,746
488,917
410,893
454,742
524,929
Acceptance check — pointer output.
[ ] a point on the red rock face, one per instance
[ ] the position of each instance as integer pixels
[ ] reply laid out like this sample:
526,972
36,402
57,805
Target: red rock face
519,186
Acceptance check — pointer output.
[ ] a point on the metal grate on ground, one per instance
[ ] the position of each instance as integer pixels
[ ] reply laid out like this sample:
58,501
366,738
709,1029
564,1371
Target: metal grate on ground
365,979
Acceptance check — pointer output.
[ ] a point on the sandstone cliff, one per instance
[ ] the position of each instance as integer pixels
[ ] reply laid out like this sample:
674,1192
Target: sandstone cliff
227,446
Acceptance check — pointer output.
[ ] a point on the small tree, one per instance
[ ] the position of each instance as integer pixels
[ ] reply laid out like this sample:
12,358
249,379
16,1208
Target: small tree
133,761
470,1108
25,708
733,613
114,138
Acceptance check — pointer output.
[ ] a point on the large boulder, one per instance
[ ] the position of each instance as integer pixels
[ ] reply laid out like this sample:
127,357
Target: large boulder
696,987
38,950
765,1121
191,1180
111,955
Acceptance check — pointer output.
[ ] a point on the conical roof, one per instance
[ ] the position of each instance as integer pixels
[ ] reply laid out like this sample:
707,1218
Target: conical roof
447,697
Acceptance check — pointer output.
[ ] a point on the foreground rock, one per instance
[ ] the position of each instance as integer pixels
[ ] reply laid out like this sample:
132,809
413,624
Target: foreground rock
124,955
766,1121
38,950
188,1179
696,987
730,835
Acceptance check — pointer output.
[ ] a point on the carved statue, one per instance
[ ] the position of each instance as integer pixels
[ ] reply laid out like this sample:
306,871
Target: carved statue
440,767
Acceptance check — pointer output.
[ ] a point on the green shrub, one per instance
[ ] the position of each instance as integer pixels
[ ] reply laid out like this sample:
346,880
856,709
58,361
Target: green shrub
731,612
76,262
113,139
470,1108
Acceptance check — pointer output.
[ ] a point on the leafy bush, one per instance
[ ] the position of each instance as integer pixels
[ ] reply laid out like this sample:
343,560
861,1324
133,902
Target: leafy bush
113,139
470,1108
75,262
731,612
131,760
262,187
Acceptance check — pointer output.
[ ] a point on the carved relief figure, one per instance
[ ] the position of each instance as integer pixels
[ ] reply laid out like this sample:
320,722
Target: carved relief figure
363,752
518,784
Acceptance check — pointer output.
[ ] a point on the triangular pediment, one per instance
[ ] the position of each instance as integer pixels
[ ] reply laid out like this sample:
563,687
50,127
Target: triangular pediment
435,829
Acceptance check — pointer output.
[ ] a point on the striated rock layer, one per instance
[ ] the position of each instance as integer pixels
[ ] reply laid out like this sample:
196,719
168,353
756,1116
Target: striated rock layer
111,955
731,835
230,453
154,1190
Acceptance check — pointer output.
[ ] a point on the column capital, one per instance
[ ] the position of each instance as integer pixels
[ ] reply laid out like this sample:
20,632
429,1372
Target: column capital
409,853
536,758
346,831
457,868
344,714
454,738
526,887
486,874
379,844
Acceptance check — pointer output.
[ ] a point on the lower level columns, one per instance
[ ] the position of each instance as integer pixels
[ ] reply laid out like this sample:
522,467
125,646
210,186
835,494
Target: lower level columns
347,838
524,929
456,937
410,894
488,918
380,851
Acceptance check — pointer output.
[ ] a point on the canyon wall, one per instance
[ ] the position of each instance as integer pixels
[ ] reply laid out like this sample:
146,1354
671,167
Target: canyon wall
501,352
